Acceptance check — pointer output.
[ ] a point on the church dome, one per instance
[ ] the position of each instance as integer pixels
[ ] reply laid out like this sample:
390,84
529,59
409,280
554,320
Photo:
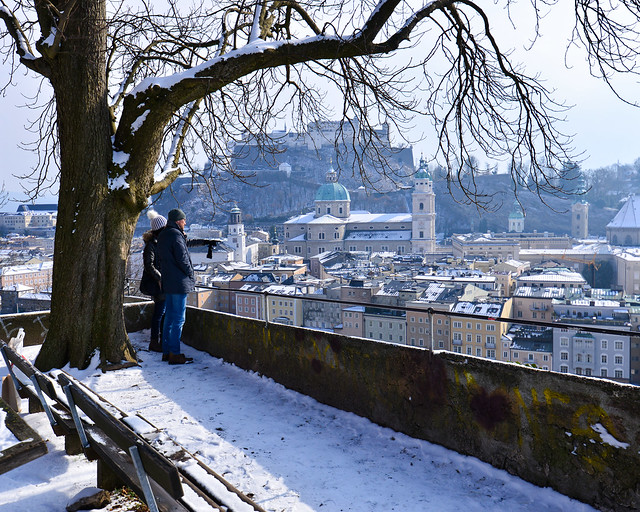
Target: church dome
516,213
332,190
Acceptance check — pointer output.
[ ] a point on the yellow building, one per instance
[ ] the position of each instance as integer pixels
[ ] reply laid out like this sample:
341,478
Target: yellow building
480,337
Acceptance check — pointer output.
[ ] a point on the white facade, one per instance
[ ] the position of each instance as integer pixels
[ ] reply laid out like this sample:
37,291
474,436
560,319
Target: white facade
334,227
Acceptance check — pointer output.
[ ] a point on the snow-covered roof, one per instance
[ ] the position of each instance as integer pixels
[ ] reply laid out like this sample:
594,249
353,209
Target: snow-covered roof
564,277
378,235
25,269
549,292
368,218
475,308
282,289
628,216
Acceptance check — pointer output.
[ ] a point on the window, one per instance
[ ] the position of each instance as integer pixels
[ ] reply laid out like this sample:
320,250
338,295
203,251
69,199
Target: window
457,325
618,360
491,340
469,338
618,345
618,374
457,350
320,236
478,327
564,342
515,355
530,357
564,356
603,358
505,355
603,372
578,371
603,344
478,338
579,358
564,369
587,371
478,352
491,354
457,336
468,351
545,357
491,327
468,325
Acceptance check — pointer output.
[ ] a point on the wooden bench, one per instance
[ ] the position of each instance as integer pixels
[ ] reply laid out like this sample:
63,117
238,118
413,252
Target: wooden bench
124,457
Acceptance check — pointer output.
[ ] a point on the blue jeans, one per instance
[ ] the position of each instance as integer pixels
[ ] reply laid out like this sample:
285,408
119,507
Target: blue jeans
176,304
156,319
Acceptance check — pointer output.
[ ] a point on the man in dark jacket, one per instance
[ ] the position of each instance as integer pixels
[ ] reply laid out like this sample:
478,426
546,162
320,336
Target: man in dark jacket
177,281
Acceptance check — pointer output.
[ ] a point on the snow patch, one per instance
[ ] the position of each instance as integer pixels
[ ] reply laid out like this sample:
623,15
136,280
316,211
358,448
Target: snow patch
138,122
608,438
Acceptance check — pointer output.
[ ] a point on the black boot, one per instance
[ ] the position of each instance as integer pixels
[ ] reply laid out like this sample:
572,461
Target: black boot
155,346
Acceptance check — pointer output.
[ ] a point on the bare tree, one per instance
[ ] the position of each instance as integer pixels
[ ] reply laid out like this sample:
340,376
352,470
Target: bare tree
137,92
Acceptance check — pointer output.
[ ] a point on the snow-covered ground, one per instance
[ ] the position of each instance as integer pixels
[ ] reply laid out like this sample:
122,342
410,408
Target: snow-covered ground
291,452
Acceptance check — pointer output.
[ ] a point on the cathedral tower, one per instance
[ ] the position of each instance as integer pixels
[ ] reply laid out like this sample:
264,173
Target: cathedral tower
423,223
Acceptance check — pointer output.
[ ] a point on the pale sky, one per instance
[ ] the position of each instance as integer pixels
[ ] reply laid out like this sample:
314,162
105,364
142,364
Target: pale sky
604,127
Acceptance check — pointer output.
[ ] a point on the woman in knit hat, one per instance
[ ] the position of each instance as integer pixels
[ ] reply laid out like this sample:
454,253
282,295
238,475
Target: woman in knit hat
151,282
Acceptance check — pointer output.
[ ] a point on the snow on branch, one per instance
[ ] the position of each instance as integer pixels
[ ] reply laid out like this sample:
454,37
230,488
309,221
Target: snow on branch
23,47
255,29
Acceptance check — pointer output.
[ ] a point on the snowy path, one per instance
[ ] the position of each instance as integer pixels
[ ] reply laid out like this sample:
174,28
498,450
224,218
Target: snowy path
295,454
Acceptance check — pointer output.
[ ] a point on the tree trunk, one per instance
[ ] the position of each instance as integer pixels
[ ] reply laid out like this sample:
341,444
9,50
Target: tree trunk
94,228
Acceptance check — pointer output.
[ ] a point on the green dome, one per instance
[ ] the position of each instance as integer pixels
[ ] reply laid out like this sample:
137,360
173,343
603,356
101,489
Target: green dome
332,192
423,170
422,174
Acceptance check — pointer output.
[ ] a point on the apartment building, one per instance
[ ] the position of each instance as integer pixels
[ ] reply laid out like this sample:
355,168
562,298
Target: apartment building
529,345
386,324
37,276
249,301
353,321
480,336
286,308
535,303
591,353
439,297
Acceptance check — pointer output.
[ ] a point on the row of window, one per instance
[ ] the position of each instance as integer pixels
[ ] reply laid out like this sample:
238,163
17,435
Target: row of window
618,374
618,359
604,344
489,327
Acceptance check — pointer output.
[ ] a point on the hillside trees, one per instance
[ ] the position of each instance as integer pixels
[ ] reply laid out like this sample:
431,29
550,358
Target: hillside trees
135,92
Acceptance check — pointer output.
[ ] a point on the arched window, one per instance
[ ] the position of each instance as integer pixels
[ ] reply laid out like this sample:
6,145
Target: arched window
421,206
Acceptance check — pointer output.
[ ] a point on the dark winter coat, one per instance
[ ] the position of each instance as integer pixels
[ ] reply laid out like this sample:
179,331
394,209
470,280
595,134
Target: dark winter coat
150,284
175,261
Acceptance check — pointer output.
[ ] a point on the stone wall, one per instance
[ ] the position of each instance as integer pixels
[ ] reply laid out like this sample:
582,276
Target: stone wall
36,324
578,435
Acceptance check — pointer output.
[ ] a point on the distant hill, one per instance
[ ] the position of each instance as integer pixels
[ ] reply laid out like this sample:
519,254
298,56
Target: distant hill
271,197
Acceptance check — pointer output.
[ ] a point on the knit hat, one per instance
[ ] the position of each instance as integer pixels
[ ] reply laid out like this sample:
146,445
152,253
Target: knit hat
176,214
157,220
158,223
